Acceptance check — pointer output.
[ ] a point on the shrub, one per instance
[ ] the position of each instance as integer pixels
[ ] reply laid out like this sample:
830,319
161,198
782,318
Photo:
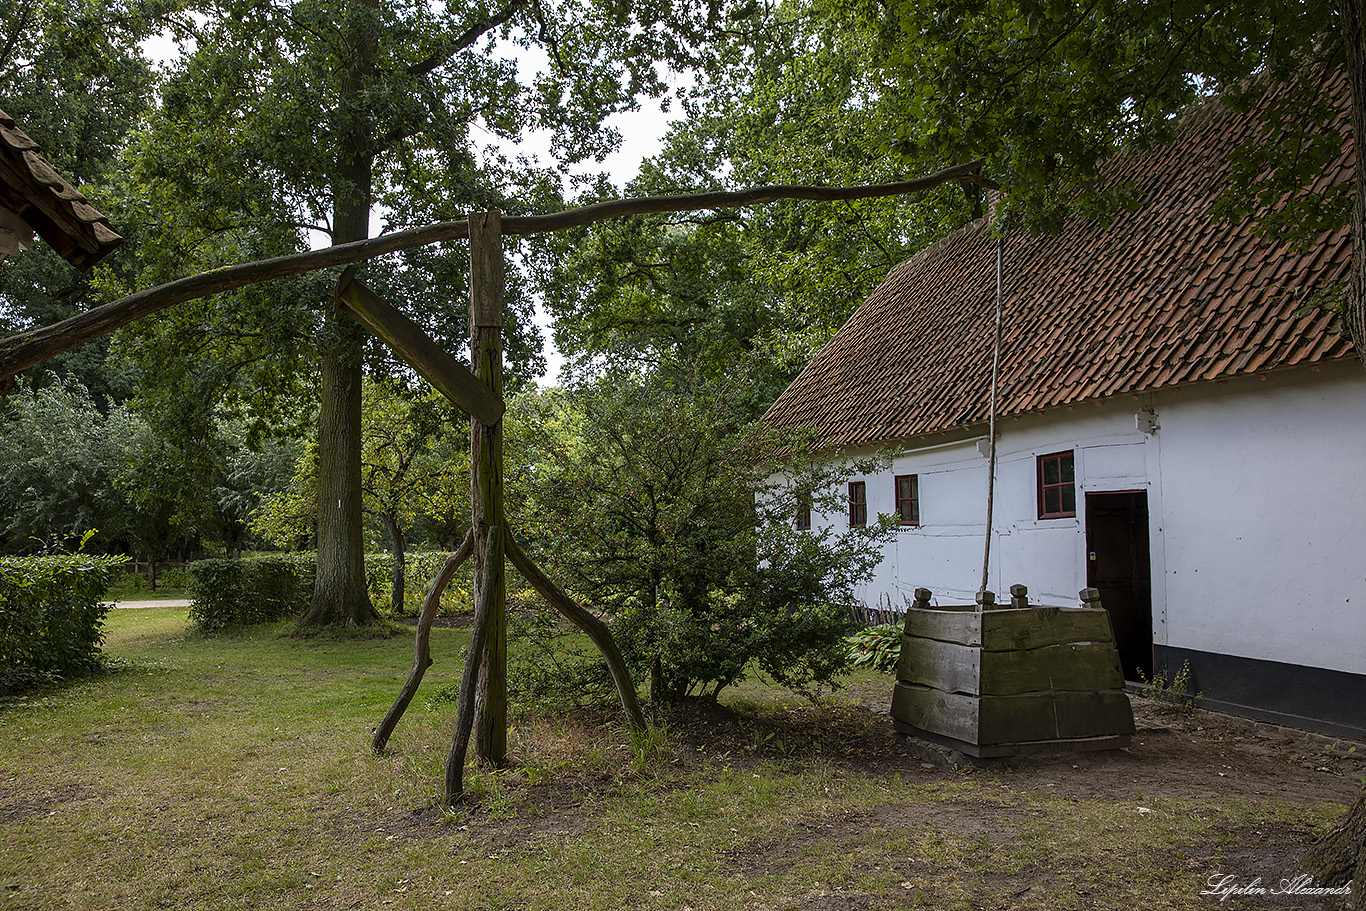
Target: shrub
230,593
51,618
554,666
673,516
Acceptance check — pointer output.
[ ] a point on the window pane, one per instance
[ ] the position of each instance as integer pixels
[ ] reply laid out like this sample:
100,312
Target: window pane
1050,470
1066,463
1052,501
1069,498
904,509
915,512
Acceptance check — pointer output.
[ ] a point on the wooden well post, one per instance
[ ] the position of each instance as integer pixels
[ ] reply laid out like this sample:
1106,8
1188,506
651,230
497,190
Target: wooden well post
479,393
487,518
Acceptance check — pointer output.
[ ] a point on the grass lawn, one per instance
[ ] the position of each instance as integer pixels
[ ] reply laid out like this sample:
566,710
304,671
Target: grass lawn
235,773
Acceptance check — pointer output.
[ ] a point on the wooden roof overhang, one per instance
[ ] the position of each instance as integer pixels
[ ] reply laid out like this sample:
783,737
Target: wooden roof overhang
56,211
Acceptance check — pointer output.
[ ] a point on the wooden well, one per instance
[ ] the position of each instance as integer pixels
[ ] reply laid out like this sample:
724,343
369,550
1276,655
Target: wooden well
998,681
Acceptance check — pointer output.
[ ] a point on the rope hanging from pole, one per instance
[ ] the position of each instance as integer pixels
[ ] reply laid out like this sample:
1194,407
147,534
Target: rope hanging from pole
991,418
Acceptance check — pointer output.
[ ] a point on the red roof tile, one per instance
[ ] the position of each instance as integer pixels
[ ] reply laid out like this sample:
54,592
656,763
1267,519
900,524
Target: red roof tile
1158,297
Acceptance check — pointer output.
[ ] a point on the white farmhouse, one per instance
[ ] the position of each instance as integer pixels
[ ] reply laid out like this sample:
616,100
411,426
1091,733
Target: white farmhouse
1177,428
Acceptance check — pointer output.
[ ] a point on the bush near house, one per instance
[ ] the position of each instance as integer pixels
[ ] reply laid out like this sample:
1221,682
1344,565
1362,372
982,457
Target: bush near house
51,618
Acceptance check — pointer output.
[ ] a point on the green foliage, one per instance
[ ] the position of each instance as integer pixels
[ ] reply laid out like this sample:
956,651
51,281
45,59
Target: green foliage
70,462
673,515
229,593
51,618
60,462
420,568
1175,691
552,666
130,583
877,647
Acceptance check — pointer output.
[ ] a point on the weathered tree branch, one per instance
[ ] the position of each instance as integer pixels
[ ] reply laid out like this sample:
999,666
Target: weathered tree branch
466,38
595,628
484,598
422,653
22,351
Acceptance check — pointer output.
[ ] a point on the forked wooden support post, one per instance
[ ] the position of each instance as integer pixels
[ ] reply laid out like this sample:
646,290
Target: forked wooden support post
486,482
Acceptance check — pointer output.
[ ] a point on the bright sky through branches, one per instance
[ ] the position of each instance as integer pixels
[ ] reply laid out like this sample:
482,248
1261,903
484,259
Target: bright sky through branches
642,136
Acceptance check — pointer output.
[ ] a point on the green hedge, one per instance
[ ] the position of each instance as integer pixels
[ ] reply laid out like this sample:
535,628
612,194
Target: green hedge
229,593
262,589
51,618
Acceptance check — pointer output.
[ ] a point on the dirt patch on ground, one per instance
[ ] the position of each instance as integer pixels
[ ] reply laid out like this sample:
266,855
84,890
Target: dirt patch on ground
1173,754
1207,755
1205,760
36,801
1195,755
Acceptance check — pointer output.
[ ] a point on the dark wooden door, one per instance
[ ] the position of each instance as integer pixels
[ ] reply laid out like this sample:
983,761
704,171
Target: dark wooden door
1118,563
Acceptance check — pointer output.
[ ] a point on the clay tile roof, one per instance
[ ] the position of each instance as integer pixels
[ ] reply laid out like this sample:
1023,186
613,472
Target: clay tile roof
1159,297
31,188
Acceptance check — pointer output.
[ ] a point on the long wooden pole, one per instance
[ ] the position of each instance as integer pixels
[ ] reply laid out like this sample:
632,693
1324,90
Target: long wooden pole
486,482
22,351
465,709
991,426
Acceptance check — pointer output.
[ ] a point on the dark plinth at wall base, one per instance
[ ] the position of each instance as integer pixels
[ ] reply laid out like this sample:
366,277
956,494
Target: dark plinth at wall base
1309,698
1003,750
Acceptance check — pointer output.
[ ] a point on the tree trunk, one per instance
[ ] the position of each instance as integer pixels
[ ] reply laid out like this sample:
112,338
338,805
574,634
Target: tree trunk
1339,857
339,594
396,546
1354,304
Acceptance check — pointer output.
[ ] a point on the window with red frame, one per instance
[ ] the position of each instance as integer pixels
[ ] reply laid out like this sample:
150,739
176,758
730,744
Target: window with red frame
908,499
858,504
1057,486
803,512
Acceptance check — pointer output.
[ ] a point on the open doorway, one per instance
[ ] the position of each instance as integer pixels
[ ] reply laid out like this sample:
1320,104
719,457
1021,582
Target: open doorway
1118,563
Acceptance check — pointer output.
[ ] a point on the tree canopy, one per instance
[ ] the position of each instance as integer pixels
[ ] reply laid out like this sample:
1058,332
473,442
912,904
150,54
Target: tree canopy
1043,92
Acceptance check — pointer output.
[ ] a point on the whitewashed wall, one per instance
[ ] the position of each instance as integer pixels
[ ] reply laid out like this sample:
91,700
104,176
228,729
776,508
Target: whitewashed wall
1264,487
1257,505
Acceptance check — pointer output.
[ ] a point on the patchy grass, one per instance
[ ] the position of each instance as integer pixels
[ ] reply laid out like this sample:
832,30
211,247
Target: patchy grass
235,772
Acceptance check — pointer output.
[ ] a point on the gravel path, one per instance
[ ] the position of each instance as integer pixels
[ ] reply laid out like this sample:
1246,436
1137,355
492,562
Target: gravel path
162,602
